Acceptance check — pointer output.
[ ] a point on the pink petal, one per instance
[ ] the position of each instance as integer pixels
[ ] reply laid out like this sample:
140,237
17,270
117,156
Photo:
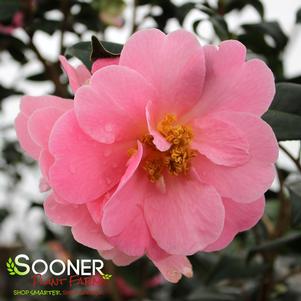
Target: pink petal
77,76
186,218
248,182
100,63
29,104
40,124
45,162
233,84
134,239
117,257
239,217
174,64
90,234
63,214
43,185
84,169
26,142
161,143
112,107
171,266
123,206
220,141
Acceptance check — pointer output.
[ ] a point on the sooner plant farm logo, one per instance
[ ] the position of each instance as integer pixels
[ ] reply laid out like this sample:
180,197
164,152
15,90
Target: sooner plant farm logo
62,277
57,267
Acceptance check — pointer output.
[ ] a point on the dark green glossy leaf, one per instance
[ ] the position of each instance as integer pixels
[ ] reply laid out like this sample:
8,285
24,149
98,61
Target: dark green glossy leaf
271,29
88,53
284,115
287,98
82,51
103,49
220,27
225,6
286,126
183,10
38,77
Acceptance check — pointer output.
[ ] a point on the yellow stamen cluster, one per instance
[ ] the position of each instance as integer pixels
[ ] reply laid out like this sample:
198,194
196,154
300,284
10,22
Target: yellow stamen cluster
177,160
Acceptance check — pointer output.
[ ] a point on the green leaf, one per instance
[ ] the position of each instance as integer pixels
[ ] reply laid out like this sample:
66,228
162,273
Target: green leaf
12,273
220,27
8,265
226,6
102,49
82,51
9,260
287,98
8,8
90,51
284,115
256,32
298,16
38,77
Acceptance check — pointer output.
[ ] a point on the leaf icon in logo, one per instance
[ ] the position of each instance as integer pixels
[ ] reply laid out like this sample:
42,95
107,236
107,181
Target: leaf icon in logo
11,268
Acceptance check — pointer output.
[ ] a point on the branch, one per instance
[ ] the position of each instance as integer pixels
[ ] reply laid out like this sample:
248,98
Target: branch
134,16
65,10
50,70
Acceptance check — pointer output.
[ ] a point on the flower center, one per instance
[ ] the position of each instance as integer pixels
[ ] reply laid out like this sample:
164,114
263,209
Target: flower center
176,160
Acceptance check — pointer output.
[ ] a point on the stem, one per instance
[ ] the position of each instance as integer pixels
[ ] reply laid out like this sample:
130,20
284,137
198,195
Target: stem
134,16
50,70
283,219
65,10
296,161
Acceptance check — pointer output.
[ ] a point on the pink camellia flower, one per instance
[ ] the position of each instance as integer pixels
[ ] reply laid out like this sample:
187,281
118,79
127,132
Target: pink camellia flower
163,154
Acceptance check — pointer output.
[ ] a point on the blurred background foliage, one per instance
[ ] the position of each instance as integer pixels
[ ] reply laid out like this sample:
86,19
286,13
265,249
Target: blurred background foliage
261,264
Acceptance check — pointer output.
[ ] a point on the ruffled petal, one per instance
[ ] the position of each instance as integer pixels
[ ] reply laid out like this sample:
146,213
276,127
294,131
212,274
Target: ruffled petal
117,257
112,107
172,267
247,182
233,84
40,124
180,220
29,104
238,217
84,169
174,64
101,63
118,213
25,140
220,141
63,214
77,76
